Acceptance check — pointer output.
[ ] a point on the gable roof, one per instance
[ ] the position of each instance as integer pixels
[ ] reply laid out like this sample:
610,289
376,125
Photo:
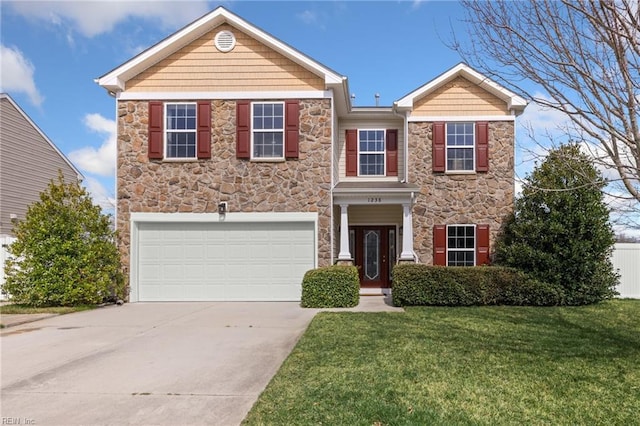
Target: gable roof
8,98
514,102
115,80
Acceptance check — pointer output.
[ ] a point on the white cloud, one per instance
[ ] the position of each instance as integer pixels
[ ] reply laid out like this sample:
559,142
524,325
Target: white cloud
16,74
101,196
91,18
308,17
99,161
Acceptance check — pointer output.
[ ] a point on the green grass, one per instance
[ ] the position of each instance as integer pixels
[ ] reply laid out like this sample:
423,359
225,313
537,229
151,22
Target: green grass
24,309
479,365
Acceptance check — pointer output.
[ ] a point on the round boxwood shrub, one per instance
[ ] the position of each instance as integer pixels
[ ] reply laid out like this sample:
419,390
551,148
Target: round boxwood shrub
331,287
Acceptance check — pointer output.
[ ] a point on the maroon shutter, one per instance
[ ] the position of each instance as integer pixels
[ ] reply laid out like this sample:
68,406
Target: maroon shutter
440,245
204,129
392,152
482,245
482,146
351,139
292,128
243,129
439,146
156,118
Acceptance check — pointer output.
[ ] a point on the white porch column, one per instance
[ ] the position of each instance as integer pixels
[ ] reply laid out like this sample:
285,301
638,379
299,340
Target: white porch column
407,233
344,233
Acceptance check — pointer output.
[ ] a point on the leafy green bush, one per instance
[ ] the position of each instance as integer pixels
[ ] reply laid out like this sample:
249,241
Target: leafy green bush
560,232
331,287
64,253
424,285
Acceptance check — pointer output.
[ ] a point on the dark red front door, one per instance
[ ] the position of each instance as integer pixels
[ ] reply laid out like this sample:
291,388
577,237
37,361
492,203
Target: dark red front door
374,252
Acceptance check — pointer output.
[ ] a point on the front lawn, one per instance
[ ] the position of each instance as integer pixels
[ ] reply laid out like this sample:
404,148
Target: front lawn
478,365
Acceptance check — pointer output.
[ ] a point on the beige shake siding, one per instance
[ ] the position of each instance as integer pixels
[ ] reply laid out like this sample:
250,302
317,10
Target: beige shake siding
458,98
381,124
250,66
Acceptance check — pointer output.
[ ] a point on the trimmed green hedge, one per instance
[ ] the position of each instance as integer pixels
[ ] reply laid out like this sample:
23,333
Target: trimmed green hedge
331,287
423,285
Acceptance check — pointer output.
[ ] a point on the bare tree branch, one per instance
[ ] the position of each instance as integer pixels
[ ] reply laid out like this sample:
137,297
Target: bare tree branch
585,56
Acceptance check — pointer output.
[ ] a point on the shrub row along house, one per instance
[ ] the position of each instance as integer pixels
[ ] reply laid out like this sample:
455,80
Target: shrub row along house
242,164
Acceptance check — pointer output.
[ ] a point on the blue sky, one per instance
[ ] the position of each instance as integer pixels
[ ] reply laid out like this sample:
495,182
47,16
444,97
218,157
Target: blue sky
52,52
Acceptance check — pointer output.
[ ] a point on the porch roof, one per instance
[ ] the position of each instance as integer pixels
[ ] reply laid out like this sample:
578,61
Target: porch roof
374,187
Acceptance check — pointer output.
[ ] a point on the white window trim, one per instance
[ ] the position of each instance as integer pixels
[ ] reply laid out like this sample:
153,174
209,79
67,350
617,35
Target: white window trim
446,149
383,152
475,241
166,130
253,131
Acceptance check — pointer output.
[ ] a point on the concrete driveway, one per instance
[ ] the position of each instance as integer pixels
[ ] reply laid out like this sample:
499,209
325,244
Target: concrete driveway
146,363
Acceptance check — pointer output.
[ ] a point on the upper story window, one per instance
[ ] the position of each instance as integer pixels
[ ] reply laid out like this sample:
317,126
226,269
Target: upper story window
371,152
461,245
180,130
460,147
268,130
371,147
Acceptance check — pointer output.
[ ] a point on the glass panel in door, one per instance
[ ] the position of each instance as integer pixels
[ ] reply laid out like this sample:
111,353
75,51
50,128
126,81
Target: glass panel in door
372,255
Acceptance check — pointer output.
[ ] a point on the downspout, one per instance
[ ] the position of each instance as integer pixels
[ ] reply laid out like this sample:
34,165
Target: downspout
405,154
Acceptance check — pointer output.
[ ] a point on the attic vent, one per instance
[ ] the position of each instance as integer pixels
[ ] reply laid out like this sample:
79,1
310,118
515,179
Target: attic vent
225,41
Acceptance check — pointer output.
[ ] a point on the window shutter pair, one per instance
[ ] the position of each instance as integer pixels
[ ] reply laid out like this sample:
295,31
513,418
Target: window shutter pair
439,146
440,245
156,130
291,128
351,142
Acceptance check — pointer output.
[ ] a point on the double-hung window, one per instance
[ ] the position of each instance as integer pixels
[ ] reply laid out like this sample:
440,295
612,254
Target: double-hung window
460,147
180,130
461,245
268,130
371,152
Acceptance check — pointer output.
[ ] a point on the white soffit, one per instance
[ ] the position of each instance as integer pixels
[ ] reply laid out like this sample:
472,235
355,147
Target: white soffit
115,80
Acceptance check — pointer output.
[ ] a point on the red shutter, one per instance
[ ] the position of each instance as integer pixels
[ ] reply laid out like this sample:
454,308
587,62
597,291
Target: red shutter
204,129
440,245
392,152
243,129
482,245
482,146
156,118
439,147
351,139
292,128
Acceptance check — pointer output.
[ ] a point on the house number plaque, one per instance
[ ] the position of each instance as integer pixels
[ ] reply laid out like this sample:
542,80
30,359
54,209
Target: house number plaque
374,200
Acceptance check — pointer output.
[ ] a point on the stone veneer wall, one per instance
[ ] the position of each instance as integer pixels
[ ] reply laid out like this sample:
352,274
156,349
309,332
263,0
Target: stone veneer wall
446,199
299,185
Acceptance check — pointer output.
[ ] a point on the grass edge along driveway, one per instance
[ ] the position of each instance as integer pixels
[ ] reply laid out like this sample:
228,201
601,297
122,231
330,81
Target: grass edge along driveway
476,365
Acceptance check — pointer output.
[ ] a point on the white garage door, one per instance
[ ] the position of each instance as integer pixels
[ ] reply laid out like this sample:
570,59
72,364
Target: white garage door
223,261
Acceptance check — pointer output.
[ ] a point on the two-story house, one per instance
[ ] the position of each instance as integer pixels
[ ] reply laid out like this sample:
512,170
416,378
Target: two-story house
242,164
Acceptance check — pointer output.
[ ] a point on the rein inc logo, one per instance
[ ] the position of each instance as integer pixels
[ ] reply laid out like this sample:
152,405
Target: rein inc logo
17,421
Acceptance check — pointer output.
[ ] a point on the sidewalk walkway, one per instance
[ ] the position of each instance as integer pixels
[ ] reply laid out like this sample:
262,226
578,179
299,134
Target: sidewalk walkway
367,304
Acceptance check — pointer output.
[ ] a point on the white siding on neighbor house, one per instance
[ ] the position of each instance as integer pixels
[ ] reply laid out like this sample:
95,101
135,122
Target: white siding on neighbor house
626,260
382,124
28,162
4,254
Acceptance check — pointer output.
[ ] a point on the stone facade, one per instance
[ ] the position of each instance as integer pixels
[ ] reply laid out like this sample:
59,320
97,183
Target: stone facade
445,199
298,185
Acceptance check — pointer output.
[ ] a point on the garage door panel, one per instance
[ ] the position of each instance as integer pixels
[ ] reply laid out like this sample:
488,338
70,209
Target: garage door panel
223,261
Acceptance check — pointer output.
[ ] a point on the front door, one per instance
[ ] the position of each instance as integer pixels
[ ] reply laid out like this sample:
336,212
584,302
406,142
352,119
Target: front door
374,252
